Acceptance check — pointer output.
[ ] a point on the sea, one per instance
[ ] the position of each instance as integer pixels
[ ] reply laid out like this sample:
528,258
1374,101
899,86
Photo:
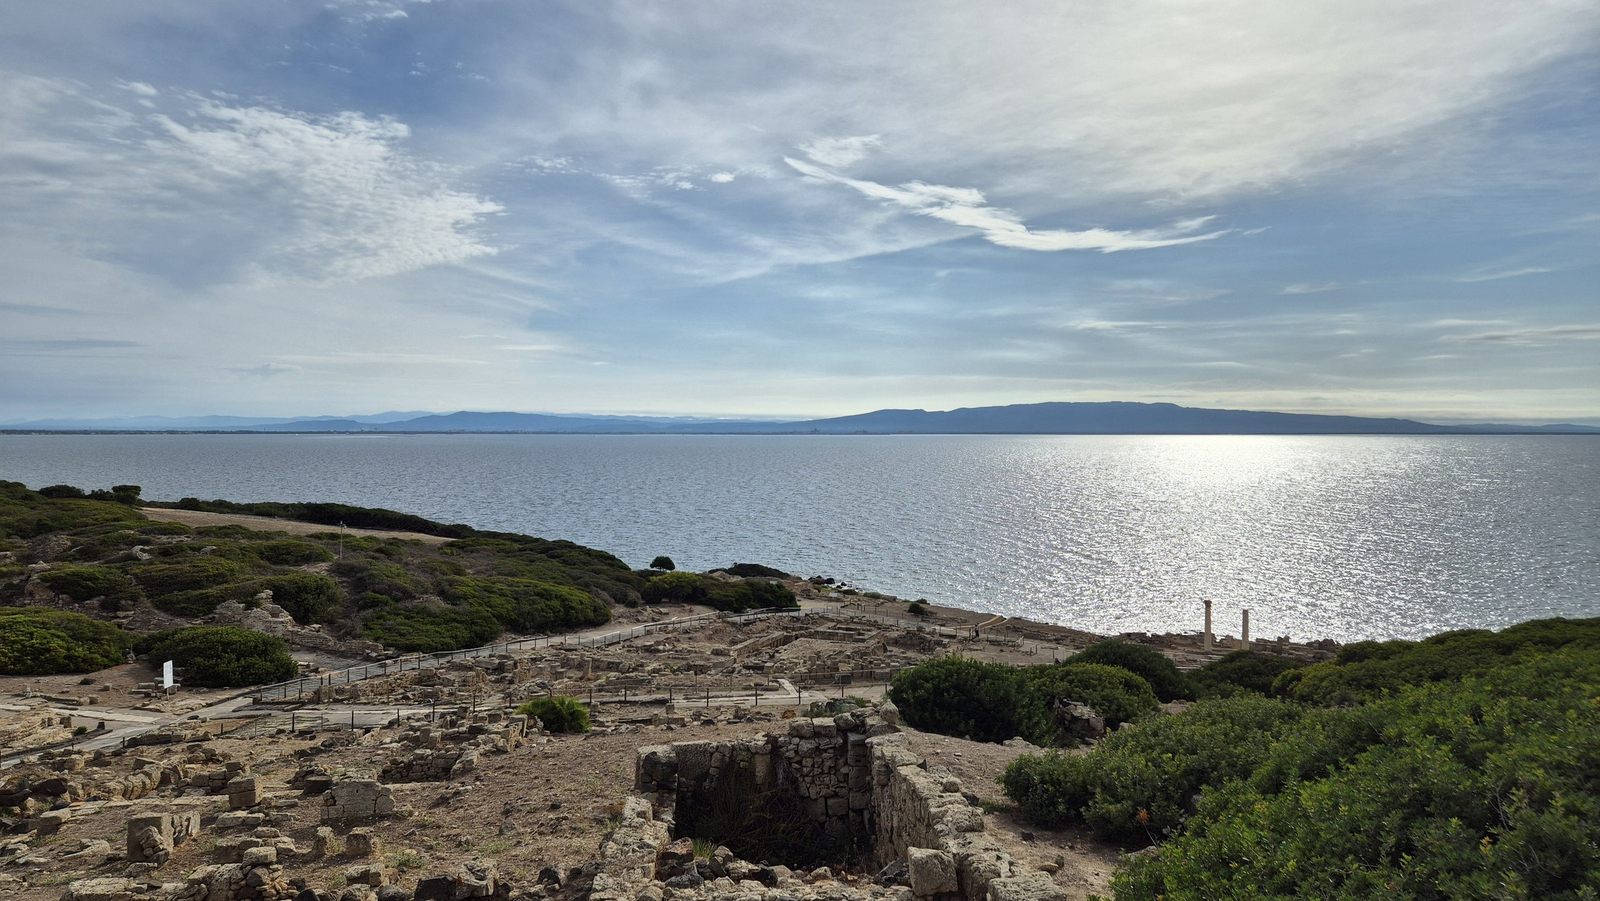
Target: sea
1343,537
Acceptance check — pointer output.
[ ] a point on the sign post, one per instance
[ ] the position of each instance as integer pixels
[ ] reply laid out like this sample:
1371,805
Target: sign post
166,676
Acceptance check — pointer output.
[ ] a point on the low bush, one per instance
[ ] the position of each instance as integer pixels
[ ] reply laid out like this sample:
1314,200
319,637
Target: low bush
970,699
291,552
756,571
917,608
1483,788
1118,695
1147,663
308,597
1368,670
190,604
1137,783
1241,672
558,713
39,642
731,597
663,562
85,583
186,574
221,656
430,629
528,605
379,577
994,702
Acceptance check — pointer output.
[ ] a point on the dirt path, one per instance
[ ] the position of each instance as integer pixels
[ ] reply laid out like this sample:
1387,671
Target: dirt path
270,524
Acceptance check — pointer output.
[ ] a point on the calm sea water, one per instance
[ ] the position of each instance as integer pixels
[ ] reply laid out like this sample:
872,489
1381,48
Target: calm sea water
1344,537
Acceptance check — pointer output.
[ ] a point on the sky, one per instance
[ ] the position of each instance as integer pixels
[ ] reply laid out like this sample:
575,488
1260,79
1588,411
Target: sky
799,209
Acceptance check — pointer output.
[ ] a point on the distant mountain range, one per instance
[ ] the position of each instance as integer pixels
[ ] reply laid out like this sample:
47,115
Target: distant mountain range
1114,418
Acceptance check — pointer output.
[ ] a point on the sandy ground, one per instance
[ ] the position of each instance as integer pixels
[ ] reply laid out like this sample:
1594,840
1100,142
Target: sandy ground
269,524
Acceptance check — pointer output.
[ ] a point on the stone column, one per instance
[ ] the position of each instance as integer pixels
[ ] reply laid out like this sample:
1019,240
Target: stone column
1244,631
1206,640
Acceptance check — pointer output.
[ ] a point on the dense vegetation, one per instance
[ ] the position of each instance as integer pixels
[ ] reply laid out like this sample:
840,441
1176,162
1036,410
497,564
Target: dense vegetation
1241,672
38,642
755,571
221,656
1147,663
994,702
732,597
409,595
1369,669
558,713
1463,766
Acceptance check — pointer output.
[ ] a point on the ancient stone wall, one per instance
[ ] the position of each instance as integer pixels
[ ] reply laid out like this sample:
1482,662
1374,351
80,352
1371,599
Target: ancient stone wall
823,762
855,776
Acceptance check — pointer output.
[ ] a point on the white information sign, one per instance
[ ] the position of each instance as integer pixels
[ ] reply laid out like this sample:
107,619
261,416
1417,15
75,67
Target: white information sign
166,674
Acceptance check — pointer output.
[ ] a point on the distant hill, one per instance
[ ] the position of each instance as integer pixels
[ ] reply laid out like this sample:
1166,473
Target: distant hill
1115,419
1097,418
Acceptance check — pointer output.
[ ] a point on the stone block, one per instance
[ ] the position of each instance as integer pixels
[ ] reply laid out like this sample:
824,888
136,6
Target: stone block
107,888
243,792
260,856
1027,887
360,842
932,872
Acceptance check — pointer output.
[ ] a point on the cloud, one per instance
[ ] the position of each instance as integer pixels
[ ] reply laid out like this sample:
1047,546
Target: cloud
1530,337
1496,275
841,153
264,371
138,87
1309,288
722,178
968,208
258,193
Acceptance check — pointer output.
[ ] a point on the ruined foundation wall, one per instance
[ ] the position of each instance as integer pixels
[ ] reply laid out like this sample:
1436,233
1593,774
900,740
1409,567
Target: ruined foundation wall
855,774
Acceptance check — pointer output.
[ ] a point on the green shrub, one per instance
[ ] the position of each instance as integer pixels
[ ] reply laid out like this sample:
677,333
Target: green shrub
1115,693
188,574
1147,663
663,562
1484,788
917,608
429,629
1137,783
971,699
291,552
199,602
380,577
1369,670
39,642
1242,672
756,571
221,656
558,713
730,597
27,514
85,583
528,605
308,597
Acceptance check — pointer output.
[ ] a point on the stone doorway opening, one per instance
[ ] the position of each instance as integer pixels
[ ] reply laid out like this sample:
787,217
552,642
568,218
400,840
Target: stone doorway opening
800,799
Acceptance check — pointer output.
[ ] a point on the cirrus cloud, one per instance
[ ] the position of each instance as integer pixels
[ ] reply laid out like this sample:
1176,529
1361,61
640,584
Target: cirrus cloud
967,207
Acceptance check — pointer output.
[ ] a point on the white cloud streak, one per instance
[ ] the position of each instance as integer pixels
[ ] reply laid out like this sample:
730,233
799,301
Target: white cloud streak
1530,337
1496,275
842,152
298,197
968,208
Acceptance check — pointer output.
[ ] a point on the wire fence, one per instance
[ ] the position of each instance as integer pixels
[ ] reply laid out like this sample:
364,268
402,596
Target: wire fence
297,689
